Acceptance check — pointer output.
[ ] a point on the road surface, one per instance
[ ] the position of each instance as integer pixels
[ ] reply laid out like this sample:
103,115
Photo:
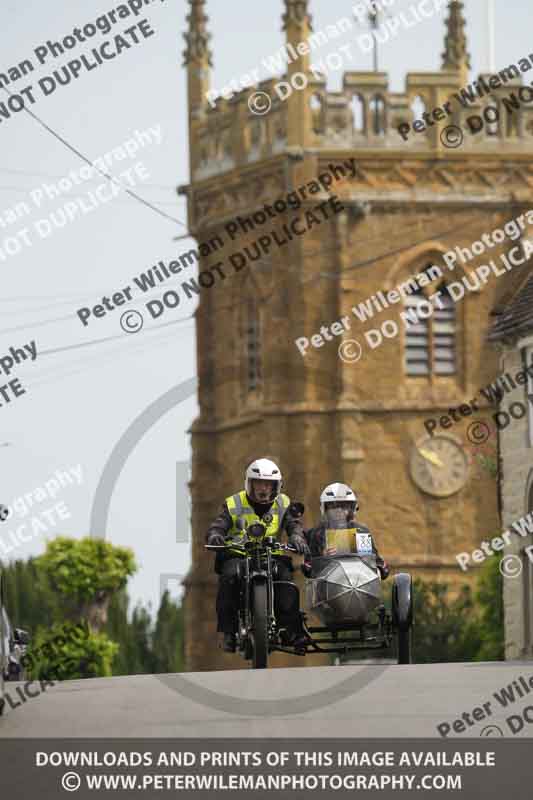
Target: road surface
343,701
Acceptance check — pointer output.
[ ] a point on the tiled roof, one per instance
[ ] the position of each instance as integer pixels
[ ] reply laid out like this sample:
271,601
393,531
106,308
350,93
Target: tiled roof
516,318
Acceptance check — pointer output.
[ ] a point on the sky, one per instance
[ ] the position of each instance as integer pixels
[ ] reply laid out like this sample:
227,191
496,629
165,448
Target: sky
88,383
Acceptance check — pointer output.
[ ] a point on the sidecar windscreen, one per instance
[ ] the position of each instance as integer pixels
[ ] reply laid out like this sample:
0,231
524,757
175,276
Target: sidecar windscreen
338,515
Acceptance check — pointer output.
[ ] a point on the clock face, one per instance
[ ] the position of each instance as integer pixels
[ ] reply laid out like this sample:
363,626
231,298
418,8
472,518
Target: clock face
439,466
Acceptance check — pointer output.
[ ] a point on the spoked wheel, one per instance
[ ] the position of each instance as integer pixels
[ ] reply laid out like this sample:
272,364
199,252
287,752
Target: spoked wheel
260,626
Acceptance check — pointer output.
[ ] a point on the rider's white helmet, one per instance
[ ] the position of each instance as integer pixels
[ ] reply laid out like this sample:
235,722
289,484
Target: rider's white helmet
263,469
338,493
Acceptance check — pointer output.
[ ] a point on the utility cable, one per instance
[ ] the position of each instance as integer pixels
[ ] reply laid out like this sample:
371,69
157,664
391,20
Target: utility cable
84,158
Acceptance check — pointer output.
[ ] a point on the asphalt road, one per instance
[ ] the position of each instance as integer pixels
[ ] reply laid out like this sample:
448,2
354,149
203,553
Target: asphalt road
344,701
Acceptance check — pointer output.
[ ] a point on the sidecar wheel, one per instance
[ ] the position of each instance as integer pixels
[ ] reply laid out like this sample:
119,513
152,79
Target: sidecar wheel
402,614
404,647
260,626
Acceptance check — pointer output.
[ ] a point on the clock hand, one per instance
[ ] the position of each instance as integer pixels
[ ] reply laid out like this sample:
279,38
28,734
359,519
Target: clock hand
431,457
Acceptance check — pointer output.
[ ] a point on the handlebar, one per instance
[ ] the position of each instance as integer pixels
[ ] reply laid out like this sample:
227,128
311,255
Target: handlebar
230,543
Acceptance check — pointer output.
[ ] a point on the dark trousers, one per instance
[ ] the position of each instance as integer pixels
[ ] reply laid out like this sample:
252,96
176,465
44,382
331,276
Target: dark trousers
286,605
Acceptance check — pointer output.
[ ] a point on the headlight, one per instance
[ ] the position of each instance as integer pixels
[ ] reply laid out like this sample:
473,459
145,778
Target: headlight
256,530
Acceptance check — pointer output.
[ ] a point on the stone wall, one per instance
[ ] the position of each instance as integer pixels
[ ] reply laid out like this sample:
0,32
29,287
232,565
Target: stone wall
516,476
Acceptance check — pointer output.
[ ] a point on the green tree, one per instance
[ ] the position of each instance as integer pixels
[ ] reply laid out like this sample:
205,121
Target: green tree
38,599
127,660
490,625
85,573
29,597
70,651
466,626
441,629
168,638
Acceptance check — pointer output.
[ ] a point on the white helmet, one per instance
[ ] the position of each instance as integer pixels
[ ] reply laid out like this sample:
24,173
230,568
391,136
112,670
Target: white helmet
263,469
338,493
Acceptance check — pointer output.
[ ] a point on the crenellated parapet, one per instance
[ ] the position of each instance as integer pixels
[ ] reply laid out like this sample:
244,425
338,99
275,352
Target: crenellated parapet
366,114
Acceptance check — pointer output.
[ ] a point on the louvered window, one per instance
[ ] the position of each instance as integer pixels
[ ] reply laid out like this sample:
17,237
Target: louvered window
417,338
430,340
444,362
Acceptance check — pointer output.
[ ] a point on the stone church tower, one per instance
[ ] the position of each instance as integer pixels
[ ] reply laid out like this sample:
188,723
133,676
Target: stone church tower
324,418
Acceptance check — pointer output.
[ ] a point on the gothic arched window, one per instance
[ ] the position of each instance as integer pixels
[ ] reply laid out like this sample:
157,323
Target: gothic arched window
418,106
430,335
492,117
357,106
377,110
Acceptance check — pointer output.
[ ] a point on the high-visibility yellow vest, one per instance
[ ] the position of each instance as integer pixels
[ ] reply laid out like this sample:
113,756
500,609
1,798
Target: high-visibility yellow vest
240,509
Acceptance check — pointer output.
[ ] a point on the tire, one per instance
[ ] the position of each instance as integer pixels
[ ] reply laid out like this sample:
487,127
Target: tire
402,601
402,614
260,626
404,647
15,672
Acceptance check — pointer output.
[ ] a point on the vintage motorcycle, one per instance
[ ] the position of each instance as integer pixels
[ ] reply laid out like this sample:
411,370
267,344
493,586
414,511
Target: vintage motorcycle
259,631
343,589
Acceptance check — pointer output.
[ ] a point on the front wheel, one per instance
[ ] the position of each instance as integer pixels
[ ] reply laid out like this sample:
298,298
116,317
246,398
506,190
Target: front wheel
260,625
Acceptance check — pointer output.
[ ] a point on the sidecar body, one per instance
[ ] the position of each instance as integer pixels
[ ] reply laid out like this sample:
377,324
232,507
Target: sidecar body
344,589
344,592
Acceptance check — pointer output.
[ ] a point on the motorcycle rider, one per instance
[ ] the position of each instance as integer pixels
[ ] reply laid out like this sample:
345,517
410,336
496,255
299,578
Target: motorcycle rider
260,501
338,506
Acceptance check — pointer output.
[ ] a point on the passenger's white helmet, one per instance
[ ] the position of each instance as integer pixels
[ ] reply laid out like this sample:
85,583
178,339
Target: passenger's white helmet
263,469
338,493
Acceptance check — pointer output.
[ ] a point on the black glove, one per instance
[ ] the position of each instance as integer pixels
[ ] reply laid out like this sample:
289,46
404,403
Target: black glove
383,567
216,539
296,510
299,543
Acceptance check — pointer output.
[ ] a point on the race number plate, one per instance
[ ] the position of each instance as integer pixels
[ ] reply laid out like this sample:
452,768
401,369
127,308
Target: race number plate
363,544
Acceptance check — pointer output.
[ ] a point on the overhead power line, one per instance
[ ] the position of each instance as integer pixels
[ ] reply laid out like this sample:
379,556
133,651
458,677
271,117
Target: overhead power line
106,175
36,174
